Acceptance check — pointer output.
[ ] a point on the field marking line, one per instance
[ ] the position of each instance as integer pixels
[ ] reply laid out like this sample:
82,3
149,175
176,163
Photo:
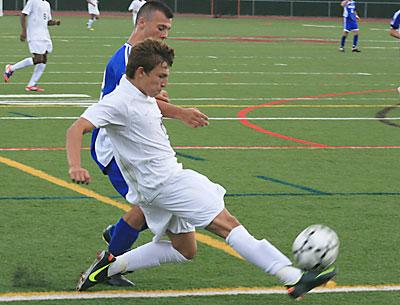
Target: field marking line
210,241
86,103
242,114
150,294
11,118
219,147
43,95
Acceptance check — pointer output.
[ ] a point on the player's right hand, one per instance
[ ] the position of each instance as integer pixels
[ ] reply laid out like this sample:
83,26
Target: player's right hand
79,175
22,37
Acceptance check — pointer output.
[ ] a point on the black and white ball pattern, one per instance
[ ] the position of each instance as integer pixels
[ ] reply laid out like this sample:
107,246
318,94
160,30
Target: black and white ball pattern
316,248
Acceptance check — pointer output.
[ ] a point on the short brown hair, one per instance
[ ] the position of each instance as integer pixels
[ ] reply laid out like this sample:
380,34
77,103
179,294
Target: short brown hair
149,54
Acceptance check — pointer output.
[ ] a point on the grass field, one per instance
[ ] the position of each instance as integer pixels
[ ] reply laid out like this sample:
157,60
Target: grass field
308,149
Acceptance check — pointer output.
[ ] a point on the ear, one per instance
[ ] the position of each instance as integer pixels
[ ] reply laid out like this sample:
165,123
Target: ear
141,23
139,72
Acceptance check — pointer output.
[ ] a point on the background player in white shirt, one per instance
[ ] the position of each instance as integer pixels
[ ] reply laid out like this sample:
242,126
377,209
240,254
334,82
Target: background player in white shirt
35,31
134,7
174,200
93,10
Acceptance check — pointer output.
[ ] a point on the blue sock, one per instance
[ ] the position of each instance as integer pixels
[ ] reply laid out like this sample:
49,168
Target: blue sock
355,41
343,41
123,237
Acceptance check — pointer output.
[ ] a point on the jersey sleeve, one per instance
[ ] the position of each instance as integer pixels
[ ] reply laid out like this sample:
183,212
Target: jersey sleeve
28,7
395,24
106,112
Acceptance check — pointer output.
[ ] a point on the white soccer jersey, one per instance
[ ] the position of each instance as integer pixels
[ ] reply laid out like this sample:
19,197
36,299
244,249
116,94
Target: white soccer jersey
140,142
93,8
39,14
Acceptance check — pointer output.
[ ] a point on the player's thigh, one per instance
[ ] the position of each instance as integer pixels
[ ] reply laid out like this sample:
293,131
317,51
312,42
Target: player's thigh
192,197
160,221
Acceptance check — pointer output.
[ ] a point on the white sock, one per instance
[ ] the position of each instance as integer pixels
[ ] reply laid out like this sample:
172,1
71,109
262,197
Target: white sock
262,254
152,254
22,64
90,23
37,73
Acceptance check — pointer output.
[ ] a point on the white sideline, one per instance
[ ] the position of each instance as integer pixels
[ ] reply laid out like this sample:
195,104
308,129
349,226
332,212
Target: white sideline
220,119
34,296
41,95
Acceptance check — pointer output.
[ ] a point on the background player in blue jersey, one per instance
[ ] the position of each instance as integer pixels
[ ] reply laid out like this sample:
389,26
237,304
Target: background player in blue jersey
154,20
394,29
350,24
394,25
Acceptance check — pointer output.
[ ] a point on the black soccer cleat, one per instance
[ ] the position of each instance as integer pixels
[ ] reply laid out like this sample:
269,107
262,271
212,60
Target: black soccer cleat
308,281
97,272
355,50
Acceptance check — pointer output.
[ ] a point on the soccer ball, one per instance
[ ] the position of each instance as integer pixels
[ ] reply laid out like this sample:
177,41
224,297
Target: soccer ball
316,248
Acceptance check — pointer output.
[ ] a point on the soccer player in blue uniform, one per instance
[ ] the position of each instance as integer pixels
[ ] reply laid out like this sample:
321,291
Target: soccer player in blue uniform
154,20
350,24
394,29
394,25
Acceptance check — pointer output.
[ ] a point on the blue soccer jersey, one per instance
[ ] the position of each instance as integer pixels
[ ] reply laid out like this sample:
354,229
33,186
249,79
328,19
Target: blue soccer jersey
395,24
101,147
349,11
350,17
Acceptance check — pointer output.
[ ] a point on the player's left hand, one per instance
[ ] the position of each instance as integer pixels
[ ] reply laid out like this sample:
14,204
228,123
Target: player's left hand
193,117
163,96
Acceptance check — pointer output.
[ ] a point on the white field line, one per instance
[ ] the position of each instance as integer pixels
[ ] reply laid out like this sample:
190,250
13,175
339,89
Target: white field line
122,294
222,119
242,72
321,26
37,101
43,95
220,84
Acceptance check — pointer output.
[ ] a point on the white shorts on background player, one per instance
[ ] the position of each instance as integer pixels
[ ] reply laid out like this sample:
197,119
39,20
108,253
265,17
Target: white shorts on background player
93,9
37,32
171,198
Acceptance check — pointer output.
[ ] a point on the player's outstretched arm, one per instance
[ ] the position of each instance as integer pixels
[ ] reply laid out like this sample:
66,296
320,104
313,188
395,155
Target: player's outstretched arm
395,33
192,117
73,146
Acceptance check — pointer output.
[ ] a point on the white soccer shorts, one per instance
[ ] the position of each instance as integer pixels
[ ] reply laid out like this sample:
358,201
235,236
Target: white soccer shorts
40,46
189,200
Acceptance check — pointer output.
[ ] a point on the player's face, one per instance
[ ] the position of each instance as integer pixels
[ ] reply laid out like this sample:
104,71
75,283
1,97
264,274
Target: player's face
158,26
154,81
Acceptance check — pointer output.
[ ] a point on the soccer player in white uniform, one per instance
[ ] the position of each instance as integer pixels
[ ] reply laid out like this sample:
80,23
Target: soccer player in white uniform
37,34
350,24
93,10
134,7
154,20
174,200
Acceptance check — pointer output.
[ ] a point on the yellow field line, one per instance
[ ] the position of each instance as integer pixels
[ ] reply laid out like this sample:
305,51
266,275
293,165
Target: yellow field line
125,207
